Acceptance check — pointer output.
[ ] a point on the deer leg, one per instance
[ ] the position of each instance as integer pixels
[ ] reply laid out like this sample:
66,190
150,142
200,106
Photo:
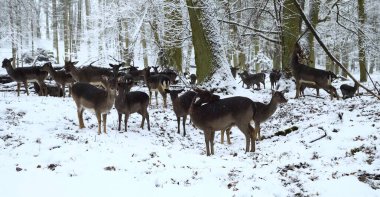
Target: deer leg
183,124
207,136
253,138
178,124
298,85
126,117
257,130
18,89
212,142
142,120
222,136
99,118
164,96
150,97
147,120
156,94
80,117
63,90
228,135
104,123
119,120
26,88
70,90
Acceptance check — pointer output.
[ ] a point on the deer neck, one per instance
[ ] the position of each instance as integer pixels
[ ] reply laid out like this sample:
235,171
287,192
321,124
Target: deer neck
10,70
74,73
51,71
269,110
120,98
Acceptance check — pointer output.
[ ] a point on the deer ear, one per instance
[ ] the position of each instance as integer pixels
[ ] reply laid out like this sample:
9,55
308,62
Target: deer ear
111,65
75,62
122,64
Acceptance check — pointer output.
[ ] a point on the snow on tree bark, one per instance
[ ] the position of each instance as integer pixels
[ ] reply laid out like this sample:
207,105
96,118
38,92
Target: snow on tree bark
212,66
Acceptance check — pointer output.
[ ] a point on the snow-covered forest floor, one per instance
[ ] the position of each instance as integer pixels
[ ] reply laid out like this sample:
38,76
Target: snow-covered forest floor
42,151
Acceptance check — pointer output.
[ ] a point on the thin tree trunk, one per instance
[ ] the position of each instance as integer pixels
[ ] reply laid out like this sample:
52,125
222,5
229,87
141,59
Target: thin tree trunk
314,11
66,32
55,30
362,55
13,30
144,47
47,21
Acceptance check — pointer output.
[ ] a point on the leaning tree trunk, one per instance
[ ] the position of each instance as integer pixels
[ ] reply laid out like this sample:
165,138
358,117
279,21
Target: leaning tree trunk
210,59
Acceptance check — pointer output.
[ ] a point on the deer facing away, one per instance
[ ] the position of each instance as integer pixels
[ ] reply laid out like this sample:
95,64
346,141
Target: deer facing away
25,75
210,113
131,102
156,83
87,96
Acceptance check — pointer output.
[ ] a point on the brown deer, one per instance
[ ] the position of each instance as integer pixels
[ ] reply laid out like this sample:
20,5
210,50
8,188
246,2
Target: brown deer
264,111
25,75
252,79
274,77
60,77
52,90
87,74
181,106
87,96
306,74
210,113
156,83
349,91
131,102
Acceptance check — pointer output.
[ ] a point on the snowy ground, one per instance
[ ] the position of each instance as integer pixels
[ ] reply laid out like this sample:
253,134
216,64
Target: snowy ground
43,153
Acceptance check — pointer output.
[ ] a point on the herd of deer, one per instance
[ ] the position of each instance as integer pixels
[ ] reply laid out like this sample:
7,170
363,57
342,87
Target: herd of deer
207,111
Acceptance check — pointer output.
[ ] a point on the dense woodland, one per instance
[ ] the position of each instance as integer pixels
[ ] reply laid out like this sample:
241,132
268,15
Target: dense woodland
250,35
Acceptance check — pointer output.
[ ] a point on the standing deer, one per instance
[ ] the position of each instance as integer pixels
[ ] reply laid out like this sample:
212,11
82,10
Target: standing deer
274,77
181,106
87,96
264,111
25,75
306,74
87,74
60,77
156,83
252,79
349,91
131,102
210,113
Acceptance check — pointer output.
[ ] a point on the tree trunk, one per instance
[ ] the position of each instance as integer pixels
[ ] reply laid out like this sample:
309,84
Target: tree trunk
210,59
144,47
55,29
66,32
314,11
362,55
47,21
79,27
290,32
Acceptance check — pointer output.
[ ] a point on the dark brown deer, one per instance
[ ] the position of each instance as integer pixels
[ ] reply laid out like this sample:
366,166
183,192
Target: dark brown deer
349,91
25,75
87,74
87,96
234,71
264,111
252,79
52,90
131,102
193,79
156,83
181,106
210,113
306,74
60,77
274,77
168,72
116,68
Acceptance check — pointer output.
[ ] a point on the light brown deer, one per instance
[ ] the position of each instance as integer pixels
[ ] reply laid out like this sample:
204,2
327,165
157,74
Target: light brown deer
264,111
60,77
210,113
87,96
181,106
25,75
306,74
156,83
131,102
87,74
